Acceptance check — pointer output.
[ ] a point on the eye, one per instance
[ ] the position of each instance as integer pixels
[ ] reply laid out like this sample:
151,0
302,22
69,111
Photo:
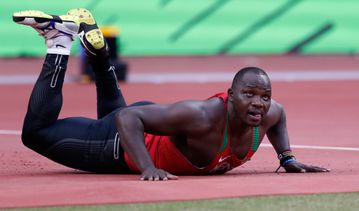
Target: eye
248,94
265,97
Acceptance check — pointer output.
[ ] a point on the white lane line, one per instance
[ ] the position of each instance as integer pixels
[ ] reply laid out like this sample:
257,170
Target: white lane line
10,132
318,147
18,132
289,76
206,77
23,79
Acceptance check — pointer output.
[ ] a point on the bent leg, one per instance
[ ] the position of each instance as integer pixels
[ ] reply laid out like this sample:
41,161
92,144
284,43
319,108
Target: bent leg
76,142
109,96
64,142
46,99
82,143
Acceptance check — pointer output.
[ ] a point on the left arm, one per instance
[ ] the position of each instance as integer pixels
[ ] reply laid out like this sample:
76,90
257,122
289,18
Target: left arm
278,136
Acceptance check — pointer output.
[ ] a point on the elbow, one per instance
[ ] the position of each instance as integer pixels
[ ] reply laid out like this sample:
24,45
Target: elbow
127,118
121,116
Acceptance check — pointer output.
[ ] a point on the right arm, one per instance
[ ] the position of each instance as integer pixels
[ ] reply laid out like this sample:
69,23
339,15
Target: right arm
188,117
278,136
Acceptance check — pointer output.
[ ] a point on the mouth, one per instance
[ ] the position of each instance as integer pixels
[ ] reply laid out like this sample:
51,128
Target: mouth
255,116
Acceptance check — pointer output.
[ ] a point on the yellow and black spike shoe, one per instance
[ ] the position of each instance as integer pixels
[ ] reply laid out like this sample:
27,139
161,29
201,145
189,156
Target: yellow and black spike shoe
47,25
90,35
58,31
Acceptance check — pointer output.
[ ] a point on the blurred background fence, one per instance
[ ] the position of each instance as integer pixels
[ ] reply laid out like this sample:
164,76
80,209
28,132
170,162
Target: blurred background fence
202,27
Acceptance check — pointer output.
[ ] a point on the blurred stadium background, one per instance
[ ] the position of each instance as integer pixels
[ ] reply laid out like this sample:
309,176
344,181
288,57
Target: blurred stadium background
202,27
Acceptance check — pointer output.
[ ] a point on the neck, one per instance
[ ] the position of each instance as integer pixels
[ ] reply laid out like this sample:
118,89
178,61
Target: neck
235,122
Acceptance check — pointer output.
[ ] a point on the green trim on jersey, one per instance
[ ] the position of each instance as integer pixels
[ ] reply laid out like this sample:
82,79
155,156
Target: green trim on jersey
256,137
225,139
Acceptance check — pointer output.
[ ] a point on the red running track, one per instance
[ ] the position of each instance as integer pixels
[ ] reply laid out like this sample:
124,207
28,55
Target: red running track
319,114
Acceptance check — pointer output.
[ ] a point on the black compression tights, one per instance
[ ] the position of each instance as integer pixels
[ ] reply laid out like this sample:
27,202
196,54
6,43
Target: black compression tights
72,141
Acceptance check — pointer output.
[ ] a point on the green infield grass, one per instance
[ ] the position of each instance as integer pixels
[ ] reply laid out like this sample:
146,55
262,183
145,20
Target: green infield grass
340,201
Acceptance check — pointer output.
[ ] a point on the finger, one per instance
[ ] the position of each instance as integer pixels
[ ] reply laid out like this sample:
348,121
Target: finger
143,177
171,176
320,169
301,171
317,169
294,168
162,175
166,176
314,168
146,178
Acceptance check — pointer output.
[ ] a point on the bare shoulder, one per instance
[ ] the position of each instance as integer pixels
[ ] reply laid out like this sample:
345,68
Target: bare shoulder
275,112
189,117
207,108
276,107
214,108
210,109
205,114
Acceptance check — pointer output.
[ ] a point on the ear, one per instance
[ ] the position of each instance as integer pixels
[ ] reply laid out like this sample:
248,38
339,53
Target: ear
230,94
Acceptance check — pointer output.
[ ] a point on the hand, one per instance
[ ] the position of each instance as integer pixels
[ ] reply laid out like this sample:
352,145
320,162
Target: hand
297,167
155,174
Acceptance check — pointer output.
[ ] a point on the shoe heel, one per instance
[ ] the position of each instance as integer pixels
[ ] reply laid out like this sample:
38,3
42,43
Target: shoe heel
84,15
95,38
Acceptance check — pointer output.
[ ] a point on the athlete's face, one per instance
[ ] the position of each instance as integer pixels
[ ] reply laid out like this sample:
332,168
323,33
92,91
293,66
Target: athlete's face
251,98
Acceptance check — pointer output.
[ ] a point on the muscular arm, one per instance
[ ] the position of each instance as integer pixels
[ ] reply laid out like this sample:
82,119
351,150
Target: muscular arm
278,136
181,118
278,133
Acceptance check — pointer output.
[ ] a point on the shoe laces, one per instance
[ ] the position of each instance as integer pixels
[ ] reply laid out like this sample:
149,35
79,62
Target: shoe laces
50,31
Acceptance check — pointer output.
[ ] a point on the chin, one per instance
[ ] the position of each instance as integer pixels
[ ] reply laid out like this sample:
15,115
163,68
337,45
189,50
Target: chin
254,124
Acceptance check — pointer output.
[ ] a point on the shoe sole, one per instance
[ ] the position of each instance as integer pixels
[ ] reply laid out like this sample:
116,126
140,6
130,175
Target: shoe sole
40,17
88,28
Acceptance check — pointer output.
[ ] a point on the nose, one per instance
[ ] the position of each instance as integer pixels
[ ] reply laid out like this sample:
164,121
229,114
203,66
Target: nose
256,102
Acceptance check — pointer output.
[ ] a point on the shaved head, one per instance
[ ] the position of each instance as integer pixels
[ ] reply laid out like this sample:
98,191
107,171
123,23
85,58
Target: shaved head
238,78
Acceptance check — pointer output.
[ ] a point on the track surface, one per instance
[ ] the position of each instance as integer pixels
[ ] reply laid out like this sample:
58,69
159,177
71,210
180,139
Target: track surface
319,113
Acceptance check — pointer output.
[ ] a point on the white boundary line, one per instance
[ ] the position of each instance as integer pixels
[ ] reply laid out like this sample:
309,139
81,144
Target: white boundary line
220,76
318,147
22,79
18,132
10,132
206,77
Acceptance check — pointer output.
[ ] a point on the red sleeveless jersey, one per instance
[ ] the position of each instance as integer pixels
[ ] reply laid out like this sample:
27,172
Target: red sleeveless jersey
166,156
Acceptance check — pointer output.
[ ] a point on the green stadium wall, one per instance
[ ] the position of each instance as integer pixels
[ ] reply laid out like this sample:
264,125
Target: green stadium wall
201,27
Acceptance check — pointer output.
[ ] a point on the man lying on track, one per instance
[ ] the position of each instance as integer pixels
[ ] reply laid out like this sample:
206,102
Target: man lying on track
211,136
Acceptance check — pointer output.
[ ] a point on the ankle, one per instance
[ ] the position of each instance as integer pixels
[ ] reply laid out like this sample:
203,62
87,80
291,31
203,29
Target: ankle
59,45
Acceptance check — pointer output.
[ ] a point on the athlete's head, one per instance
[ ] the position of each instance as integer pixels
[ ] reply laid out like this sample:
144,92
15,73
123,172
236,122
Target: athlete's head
250,95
